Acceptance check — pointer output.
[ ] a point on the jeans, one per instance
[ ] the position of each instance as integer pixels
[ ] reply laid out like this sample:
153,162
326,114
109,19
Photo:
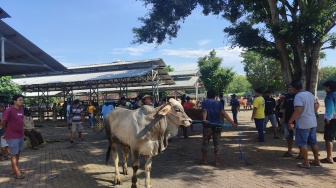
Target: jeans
91,120
234,113
260,128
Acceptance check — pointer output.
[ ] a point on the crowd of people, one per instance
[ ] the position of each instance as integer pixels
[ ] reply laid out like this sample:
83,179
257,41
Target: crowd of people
295,112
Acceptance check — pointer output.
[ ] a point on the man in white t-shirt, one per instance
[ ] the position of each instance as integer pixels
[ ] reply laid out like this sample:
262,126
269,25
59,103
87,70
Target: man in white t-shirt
306,123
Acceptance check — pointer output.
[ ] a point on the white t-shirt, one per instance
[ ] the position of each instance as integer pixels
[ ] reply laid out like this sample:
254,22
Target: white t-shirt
307,118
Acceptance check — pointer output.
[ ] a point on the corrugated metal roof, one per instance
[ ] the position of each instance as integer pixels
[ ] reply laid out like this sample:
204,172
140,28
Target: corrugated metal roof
182,84
81,77
22,56
3,14
130,74
185,73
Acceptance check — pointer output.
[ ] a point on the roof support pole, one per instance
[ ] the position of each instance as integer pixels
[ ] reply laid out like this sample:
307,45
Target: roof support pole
196,90
3,50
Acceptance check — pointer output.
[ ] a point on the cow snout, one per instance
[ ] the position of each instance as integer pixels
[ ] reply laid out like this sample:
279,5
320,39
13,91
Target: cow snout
187,122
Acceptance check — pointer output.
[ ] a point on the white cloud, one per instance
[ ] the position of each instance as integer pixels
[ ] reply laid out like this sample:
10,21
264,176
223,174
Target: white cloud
134,51
203,42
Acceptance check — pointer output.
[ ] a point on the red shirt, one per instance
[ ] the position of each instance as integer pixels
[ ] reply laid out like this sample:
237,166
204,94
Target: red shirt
15,124
188,105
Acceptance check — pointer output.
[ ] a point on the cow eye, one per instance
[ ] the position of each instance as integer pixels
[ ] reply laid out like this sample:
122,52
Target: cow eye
178,110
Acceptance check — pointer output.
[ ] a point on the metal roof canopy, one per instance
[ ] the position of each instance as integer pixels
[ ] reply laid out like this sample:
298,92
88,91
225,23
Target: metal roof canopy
179,85
20,56
110,75
3,14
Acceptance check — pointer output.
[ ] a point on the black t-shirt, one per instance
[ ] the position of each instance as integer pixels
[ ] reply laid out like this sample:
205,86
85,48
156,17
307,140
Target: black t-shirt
269,106
289,106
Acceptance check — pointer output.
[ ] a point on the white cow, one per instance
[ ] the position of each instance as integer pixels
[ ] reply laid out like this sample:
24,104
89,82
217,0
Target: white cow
143,131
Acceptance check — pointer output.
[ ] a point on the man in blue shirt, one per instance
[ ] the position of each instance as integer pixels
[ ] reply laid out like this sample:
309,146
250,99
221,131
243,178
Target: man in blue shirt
330,119
211,111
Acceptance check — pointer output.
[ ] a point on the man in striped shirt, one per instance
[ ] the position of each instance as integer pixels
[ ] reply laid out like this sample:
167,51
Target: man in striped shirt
77,114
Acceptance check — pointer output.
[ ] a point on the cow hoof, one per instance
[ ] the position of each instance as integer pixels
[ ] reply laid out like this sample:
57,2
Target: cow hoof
125,171
134,185
117,181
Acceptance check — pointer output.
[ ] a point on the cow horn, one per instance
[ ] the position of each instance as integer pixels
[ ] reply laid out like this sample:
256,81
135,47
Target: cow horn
164,111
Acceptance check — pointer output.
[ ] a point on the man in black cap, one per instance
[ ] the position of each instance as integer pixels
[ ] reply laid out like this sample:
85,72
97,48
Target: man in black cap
123,103
234,103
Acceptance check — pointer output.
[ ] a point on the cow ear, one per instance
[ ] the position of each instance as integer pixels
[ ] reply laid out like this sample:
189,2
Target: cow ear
164,111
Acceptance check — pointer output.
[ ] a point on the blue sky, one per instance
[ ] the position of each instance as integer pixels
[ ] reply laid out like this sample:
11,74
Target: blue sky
81,32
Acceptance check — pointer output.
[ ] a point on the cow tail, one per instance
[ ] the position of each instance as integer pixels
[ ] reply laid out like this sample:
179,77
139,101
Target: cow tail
108,152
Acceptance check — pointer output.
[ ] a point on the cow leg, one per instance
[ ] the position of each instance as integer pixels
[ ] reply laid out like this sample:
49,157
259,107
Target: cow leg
135,165
115,158
148,168
125,151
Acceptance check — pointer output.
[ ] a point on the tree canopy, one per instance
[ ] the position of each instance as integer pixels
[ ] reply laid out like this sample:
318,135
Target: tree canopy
325,74
292,31
240,85
8,89
213,75
263,71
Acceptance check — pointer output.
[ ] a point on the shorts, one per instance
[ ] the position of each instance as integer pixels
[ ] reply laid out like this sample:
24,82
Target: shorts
304,137
76,126
209,133
330,131
3,142
271,118
15,145
289,134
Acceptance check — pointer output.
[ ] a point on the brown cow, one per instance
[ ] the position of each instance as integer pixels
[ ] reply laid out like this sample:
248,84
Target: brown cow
194,114
143,131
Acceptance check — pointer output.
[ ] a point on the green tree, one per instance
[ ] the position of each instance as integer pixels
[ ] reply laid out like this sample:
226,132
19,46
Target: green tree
8,89
326,73
263,72
213,75
239,84
169,68
292,31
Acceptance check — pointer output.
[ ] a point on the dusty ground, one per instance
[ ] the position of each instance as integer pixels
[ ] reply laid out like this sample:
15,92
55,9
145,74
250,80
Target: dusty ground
61,164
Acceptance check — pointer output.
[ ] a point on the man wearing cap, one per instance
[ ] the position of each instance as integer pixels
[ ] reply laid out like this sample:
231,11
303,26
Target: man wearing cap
234,103
123,103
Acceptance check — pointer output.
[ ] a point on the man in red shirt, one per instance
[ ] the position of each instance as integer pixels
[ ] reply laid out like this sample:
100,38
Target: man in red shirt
188,104
12,120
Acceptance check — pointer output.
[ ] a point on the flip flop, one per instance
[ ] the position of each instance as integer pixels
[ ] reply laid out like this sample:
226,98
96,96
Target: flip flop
301,166
19,177
299,157
325,160
315,164
21,171
201,162
287,154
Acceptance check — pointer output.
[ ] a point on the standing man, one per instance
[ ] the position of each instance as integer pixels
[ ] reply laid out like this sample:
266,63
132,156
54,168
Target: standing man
270,113
123,103
330,119
107,107
12,120
288,105
306,123
90,109
77,114
235,107
258,114
211,111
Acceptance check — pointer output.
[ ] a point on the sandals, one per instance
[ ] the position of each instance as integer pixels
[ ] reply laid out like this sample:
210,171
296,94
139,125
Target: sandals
325,160
287,154
19,177
314,163
21,171
299,156
302,166
201,162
